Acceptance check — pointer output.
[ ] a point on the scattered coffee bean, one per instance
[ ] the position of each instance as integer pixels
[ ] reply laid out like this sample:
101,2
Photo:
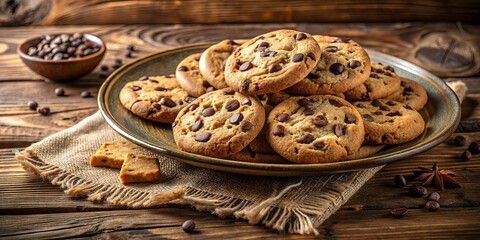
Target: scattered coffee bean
354,64
398,212
283,117
85,94
245,66
236,118
279,131
167,102
183,68
474,147
43,110
188,226
197,125
300,36
203,137
245,125
432,206
63,46
399,181
320,121
59,92
207,112
434,196
336,68
297,57
274,68
466,156
306,138
417,190
459,141
232,105
32,104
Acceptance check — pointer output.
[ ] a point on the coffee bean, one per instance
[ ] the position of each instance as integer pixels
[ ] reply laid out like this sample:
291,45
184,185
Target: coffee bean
245,125
432,206
466,156
207,112
43,110
57,56
283,117
192,107
232,105
32,104
167,102
300,36
297,57
247,102
459,141
399,181
136,88
335,103
367,118
394,113
342,40
245,66
474,148
197,125
279,131
274,68
336,68
318,145
417,190
306,138
157,106
236,118
268,54
308,112
228,91
311,55
244,85
350,118
304,102
330,49
320,121
196,58
434,196
182,68
32,51
203,137
398,212
339,129
354,64
59,92
160,89
85,94
188,226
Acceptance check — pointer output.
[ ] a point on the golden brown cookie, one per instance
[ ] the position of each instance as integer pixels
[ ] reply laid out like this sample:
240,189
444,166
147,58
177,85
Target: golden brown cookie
219,123
271,62
139,169
364,151
315,129
189,77
156,98
112,154
410,93
343,65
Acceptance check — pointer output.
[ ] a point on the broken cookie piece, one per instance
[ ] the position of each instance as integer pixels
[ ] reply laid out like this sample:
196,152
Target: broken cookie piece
139,169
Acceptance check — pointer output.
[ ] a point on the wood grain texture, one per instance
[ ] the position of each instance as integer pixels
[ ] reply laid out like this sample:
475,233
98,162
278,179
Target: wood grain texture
67,12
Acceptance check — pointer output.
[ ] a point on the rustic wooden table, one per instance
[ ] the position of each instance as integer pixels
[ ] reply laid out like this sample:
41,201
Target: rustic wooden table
33,209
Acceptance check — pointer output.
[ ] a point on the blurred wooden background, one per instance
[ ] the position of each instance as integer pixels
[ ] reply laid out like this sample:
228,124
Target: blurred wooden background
96,12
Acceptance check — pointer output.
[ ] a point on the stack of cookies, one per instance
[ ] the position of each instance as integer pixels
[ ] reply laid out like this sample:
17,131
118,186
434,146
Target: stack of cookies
282,97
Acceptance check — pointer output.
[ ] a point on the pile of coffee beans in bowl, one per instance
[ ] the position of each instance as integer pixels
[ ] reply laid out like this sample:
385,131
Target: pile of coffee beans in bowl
63,47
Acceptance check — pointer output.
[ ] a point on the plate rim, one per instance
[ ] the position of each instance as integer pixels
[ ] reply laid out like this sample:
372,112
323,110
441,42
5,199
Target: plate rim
268,169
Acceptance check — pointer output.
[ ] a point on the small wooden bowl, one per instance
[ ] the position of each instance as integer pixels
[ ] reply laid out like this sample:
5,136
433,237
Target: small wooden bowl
61,70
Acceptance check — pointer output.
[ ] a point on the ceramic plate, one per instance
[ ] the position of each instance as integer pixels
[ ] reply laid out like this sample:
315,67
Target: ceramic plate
441,114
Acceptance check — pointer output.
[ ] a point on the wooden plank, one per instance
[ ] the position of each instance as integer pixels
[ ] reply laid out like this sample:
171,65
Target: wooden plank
68,12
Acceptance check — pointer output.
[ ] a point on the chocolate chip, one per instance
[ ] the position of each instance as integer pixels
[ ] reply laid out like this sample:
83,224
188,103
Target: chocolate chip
330,49
189,99
384,108
394,113
408,89
153,81
160,89
207,112
274,68
174,124
130,47
389,68
318,145
205,84
228,91
377,103
388,74
231,42
167,102
279,131
378,113
203,137
308,112
247,102
128,54
313,76
179,102
43,110
459,141
297,57
232,105
268,54
197,125
136,88
192,107
245,66
85,94
59,92
350,118
342,40
311,55
210,89
264,45
360,105
374,75
283,117
304,102
236,118
32,104
157,106
306,138
354,64
367,118
143,78
182,68
244,85
197,58
379,71
336,68
391,103
245,125
300,36
320,121
335,103
339,129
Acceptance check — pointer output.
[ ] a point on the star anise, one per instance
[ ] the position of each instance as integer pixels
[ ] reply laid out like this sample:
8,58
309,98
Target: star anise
441,178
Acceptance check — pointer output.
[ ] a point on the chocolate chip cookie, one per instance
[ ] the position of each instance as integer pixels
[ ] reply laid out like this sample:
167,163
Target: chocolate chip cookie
271,62
410,93
343,65
364,151
156,98
389,122
189,76
315,129
212,61
381,83
219,123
